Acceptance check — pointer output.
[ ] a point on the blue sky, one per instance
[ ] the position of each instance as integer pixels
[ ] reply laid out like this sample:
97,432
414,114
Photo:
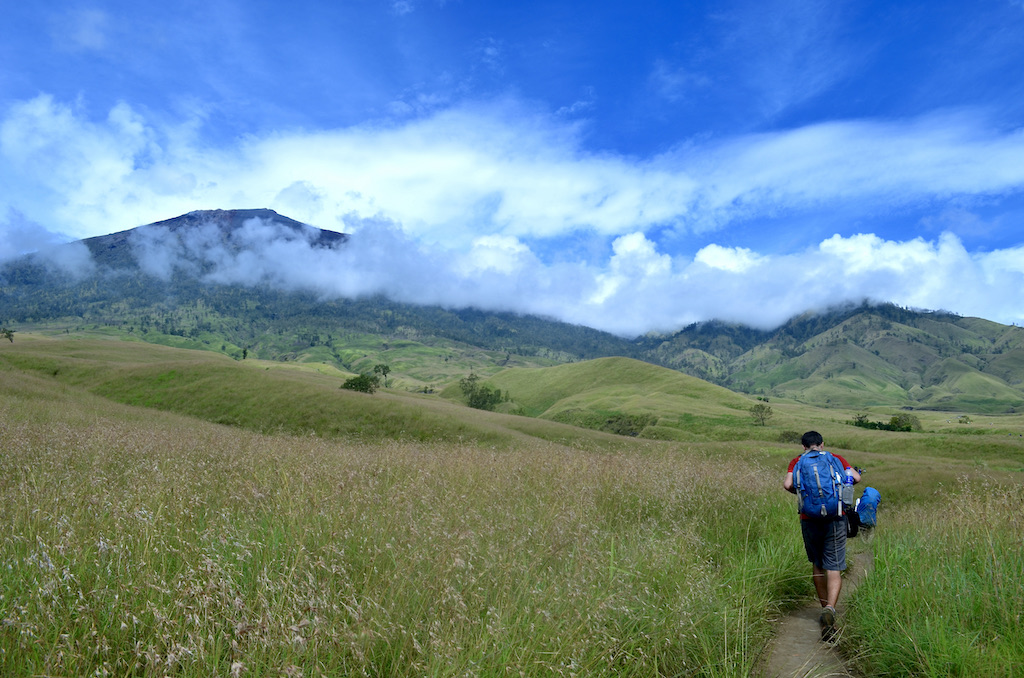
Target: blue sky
629,166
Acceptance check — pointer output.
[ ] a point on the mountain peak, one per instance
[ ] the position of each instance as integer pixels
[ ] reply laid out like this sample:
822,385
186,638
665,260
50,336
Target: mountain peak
111,249
227,220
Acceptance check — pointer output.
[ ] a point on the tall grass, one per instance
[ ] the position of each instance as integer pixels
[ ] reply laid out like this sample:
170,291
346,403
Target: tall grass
945,598
434,540
138,545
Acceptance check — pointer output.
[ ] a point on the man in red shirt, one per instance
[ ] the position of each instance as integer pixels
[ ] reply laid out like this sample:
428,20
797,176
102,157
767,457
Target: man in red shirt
824,541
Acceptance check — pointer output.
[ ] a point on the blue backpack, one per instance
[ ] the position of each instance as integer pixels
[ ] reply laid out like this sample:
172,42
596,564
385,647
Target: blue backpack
818,478
867,506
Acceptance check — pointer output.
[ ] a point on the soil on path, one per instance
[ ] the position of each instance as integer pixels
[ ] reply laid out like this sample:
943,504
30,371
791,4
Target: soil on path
798,651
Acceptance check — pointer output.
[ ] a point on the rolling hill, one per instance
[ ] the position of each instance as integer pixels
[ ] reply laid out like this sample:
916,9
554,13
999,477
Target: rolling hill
621,395
861,356
164,283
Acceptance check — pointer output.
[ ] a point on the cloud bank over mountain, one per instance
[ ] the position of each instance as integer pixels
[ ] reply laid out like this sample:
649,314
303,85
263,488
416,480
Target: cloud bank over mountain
639,170
638,290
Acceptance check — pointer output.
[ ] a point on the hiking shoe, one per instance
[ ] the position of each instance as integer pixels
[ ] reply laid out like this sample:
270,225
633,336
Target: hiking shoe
828,623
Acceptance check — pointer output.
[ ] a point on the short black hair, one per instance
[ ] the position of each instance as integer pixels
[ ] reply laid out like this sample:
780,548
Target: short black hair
811,438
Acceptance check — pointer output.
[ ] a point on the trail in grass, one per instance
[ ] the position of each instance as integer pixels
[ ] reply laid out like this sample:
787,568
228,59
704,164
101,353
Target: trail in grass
797,650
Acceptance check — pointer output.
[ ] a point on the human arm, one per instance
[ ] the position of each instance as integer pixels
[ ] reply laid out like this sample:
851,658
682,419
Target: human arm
787,482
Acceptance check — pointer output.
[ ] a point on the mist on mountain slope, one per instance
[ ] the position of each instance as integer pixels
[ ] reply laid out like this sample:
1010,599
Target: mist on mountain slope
634,291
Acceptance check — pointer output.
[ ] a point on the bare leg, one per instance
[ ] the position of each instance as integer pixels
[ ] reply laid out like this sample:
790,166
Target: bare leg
820,585
835,585
827,584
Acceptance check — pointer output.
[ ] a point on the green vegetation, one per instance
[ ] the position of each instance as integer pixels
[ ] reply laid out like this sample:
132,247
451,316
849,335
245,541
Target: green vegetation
383,369
946,596
761,413
325,532
618,423
364,383
898,422
259,396
857,357
622,393
480,396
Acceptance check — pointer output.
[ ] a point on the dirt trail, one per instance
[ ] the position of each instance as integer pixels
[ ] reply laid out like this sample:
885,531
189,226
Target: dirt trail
797,650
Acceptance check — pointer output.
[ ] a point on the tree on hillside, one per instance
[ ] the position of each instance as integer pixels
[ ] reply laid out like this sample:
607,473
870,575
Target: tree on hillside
7,334
364,383
905,422
478,395
761,413
383,369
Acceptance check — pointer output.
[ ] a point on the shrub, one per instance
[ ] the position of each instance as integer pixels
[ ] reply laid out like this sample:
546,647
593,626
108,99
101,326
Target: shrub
478,395
364,383
905,422
627,424
898,422
790,437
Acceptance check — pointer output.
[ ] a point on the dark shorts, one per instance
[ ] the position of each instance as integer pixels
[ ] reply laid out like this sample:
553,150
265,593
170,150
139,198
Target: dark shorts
825,543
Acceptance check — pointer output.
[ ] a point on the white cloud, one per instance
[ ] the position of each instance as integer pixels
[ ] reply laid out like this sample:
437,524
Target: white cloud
20,236
731,259
878,164
915,273
443,178
497,169
500,253
638,289
442,209
869,253
634,263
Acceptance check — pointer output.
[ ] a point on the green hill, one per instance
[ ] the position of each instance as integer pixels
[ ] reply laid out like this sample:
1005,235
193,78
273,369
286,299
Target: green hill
623,396
260,396
861,356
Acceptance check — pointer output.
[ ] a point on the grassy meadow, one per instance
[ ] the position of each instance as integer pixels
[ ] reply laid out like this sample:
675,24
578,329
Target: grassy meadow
174,512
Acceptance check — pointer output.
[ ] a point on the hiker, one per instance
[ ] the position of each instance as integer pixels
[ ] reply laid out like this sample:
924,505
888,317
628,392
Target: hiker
824,532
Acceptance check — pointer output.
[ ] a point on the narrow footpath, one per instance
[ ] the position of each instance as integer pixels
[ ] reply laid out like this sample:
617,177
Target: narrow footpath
797,650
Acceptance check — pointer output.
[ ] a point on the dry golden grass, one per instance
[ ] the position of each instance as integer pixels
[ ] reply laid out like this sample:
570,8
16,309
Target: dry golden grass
155,545
145,543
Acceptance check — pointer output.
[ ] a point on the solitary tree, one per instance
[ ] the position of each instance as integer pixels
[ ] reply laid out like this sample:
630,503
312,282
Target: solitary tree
478,395
761,413
364,383
7,334
383,369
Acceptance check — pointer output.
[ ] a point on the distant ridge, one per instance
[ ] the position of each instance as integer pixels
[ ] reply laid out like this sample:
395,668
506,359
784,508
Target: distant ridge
859,355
